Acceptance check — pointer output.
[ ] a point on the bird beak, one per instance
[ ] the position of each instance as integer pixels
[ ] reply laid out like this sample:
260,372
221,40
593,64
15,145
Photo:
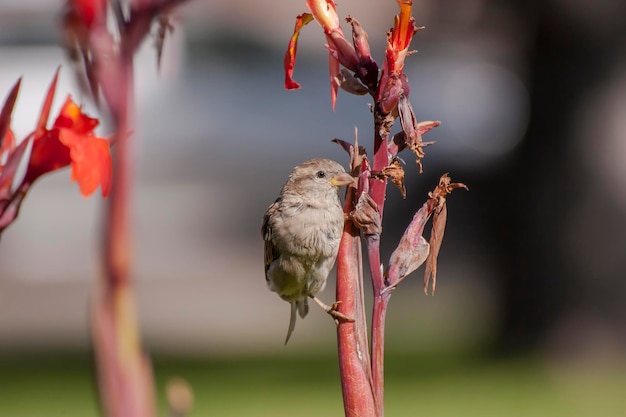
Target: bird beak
342,179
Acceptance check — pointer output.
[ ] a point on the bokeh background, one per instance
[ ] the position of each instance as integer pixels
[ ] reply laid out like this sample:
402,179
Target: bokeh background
529,318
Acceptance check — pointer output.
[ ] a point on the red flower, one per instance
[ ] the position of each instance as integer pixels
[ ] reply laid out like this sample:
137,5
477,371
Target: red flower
340,50
88,11
70,141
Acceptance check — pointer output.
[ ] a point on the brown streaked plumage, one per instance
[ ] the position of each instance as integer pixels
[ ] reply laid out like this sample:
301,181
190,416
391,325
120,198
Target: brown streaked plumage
302,230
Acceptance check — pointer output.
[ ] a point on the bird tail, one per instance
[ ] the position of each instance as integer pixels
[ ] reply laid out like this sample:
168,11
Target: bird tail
302,308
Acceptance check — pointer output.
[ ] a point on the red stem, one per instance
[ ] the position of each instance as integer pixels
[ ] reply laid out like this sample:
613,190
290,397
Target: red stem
117,230
354,362
378,348
378,190
125,377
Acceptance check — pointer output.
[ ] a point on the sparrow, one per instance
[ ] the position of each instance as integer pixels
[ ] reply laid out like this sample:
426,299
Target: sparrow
302,230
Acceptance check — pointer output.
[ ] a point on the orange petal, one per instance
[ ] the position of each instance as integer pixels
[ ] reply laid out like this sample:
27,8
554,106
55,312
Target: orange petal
403,30
91,161
400,38
72,117
325,12
290,56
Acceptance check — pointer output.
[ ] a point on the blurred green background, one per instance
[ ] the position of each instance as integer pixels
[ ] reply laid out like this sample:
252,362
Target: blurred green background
308,385
529,315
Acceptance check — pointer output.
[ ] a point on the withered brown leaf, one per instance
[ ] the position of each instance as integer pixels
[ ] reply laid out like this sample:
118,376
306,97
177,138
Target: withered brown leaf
412,250
440,216
395,173
366,215
413,131
350,84
356,158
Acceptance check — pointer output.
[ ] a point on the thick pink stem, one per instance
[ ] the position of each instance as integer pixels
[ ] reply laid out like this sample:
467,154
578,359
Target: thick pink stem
124,373
378,190
354,361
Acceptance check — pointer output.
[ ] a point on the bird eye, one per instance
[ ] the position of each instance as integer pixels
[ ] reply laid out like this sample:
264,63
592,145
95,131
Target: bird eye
320,174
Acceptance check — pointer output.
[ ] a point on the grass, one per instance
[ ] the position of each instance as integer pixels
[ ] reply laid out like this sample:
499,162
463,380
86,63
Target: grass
35,386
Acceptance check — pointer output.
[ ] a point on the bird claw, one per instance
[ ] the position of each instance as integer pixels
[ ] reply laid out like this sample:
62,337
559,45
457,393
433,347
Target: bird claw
337,315
334,311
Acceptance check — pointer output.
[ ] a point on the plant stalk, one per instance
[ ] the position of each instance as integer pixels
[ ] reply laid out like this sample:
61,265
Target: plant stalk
378,190
354,361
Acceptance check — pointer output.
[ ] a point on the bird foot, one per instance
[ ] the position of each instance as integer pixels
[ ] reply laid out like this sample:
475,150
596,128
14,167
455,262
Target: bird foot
333,311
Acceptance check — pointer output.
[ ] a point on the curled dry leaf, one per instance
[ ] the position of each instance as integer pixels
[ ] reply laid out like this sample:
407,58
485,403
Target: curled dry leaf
356,158
412,250
413,131
400,142
395,173
436,237
350,84
366,216
440,216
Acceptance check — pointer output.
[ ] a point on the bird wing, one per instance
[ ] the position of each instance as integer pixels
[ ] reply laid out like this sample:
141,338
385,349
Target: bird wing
271,252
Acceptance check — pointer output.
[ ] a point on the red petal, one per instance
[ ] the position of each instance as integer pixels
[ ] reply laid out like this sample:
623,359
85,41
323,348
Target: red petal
48,154
333,68
10,168
89,10
7,110
91,161
47,104
7,145
292,49
72,117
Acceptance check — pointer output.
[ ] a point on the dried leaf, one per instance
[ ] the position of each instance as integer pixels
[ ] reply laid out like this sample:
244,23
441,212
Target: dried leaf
356,158
445,187
425,127
440,216
413,131
436,238
350,84
412,250
366,216
292,49
395,173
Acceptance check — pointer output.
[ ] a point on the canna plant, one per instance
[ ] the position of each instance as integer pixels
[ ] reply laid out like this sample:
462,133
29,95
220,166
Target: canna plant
70,141
353,69
102,36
